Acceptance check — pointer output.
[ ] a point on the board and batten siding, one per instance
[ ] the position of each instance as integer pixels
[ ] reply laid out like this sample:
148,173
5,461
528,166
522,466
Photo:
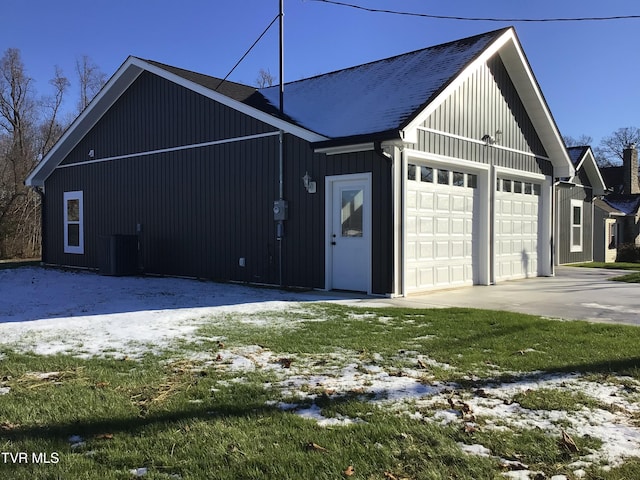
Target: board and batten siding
198,210
565,193
486,103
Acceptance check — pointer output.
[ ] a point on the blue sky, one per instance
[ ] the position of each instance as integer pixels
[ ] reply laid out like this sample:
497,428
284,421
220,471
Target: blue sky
589,71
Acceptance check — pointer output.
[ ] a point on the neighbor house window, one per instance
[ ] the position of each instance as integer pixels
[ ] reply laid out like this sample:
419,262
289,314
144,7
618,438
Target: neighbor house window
576,225
73,223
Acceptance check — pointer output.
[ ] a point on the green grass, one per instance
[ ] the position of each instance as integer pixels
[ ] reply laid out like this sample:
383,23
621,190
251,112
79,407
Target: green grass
193,419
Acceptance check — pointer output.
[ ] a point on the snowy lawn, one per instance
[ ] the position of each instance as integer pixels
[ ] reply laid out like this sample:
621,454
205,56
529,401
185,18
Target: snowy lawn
168,378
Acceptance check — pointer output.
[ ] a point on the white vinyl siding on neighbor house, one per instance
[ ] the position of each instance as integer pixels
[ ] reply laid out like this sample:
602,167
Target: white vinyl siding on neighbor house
73,222
577,221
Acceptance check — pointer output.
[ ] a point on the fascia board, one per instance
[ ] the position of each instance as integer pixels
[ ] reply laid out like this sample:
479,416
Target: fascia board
595,177
106,97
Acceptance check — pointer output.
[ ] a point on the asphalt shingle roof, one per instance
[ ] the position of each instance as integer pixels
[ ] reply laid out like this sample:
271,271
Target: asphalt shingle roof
380,96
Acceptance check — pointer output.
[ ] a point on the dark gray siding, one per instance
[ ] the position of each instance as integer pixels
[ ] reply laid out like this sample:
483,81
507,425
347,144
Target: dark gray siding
483,104
202,209
564,194
305,240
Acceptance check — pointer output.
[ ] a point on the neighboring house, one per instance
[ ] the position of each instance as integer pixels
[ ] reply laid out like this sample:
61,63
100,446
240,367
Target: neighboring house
426,170
575,208
618,213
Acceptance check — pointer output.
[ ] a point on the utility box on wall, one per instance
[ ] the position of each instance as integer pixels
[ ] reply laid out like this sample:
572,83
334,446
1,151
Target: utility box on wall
118,255
280,210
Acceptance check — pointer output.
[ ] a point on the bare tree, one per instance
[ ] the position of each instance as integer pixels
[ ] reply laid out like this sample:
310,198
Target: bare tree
28,128
91,78
586,140
265,79
613,145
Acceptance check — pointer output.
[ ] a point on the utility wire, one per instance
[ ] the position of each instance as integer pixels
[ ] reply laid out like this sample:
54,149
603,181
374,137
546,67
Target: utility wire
248,51
480,19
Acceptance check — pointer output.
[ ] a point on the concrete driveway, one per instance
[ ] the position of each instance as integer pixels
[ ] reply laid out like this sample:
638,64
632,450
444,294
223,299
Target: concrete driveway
574,293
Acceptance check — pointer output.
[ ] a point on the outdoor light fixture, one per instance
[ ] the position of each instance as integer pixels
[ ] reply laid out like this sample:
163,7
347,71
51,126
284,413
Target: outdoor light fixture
92,153
492,139
488,139
309,185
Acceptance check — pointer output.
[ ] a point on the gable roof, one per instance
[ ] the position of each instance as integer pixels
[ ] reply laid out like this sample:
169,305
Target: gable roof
583,159
377,97
383,100
627,204
390,98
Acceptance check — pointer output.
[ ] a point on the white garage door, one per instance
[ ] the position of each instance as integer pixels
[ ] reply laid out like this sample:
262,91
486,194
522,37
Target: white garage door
516,244
440,225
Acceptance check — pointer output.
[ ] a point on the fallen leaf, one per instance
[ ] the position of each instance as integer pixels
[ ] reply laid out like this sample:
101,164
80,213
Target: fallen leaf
220,344
349,472
105,436
422,364
285,362
315,447
390,476
102,384
567,442
470,428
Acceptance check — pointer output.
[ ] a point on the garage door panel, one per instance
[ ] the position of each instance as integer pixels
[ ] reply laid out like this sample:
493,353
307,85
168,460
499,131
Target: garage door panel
516,233
442,228
457,226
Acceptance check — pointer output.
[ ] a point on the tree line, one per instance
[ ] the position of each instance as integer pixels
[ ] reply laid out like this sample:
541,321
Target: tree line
29,126
608,152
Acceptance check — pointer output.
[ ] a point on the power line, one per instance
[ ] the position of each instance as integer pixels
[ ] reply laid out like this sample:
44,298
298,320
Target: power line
247,52
481,19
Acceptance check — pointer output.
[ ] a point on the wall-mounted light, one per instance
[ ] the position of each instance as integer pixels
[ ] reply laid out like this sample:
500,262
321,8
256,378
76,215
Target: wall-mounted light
309,184
488,139
92,153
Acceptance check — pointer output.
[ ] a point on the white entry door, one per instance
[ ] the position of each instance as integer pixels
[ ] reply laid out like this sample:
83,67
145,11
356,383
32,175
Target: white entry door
349,232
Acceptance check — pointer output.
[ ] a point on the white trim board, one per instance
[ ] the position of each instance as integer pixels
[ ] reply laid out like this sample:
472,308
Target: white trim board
171,149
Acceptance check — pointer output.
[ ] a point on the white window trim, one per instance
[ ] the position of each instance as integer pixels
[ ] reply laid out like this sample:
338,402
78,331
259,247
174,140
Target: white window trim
573,246
75,249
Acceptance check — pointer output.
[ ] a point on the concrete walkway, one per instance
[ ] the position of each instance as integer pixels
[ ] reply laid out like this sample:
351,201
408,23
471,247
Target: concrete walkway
574,293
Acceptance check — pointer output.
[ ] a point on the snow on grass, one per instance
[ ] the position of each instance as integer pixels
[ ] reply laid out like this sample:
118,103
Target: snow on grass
50,311
47,311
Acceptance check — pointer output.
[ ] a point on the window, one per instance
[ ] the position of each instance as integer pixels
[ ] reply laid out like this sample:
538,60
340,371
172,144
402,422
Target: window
411,172
426,174
472,180
613,235
536,189
352,203
443,177
517,186
576,226
458,179
73,223
528,189
506,185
